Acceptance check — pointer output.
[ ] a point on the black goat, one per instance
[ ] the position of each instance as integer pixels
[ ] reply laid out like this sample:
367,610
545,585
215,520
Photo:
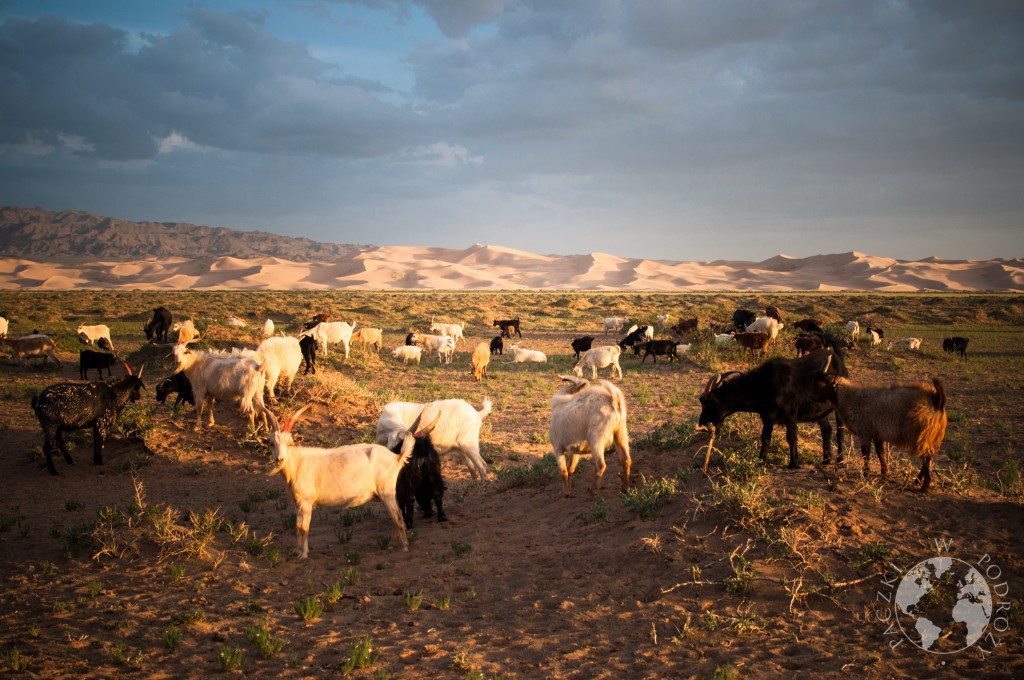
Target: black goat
809,326
957,343
742,318
307,343
509,327
421,481
634,340
156,329
175,384
410,339
780,391
65,407
580,345
88,358
497,346
658,348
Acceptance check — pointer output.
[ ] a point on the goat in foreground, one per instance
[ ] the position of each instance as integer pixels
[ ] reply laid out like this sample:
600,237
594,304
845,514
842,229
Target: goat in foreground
421,480
909,416
588,417
457,432
345,476
65,407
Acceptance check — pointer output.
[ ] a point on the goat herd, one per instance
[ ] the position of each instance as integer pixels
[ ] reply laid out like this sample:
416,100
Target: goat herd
588,417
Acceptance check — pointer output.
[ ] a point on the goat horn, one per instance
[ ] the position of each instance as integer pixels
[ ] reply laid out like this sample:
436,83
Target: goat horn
139,374
127,367
828,362
295,418
424,431
712,383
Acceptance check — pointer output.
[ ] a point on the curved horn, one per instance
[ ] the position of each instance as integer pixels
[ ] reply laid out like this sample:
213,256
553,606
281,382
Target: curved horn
424,431
713,383
288,424
275,426
127,367
139,374
828,362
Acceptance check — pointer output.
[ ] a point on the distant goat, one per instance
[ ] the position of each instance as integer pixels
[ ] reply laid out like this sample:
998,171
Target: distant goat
685,327
807,342
586,418
34,346
88,359
369,337
906,343
773,312
97,334
509,327
957,343
452,330
187,332
496,346
307,344
809,326
599,357
407,353
614,323
268,328
480,358
327,332
523,356
656,348
742,318
157,328
580,345
757,343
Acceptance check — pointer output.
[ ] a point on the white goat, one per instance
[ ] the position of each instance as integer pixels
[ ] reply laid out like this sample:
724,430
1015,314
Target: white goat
614,323
186,331
3,327
33,346
407,353
235,322
268,328
663,319
906,343
368,337
525,356
873,338
853,329
327,332
345,476
282,357
588,417
457,432
89,335
725,340
452,330
442,344
599,357
765,324
224,377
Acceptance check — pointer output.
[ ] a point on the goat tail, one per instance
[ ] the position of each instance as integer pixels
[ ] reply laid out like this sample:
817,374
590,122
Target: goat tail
939,398
485,409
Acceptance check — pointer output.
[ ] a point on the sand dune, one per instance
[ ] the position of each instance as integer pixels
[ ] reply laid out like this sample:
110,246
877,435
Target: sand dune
481,267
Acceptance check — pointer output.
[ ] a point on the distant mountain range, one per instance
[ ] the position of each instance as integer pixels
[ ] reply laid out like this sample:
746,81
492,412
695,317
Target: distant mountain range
75,250
77,236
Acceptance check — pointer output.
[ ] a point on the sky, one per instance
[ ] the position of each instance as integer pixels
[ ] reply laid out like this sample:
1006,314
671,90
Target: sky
683,130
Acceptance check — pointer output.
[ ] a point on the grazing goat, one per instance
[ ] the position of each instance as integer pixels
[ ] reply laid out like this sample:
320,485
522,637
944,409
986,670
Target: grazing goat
187,332
808,342
656,348
421,481
684,327
451,330
457,432
906,343
773,312
599,357
614,323
742,318
780,391
588,417
497,346
407,353
809,326
88,358
33,346
957,343
156,329
88,335
268,328
765,324
327,332
526,356
908,416
282,357
480,358
224,377
442,344
636,336
343,477
66,407
369,337
725,341
4,326
175,384
307,344
754,342
580,345
873,338
852,328
509,327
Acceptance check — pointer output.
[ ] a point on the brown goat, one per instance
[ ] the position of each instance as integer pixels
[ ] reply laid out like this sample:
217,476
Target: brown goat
808,342
755,342
480,358
910,416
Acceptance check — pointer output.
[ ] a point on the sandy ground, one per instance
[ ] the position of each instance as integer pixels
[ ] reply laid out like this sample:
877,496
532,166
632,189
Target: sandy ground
786,581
